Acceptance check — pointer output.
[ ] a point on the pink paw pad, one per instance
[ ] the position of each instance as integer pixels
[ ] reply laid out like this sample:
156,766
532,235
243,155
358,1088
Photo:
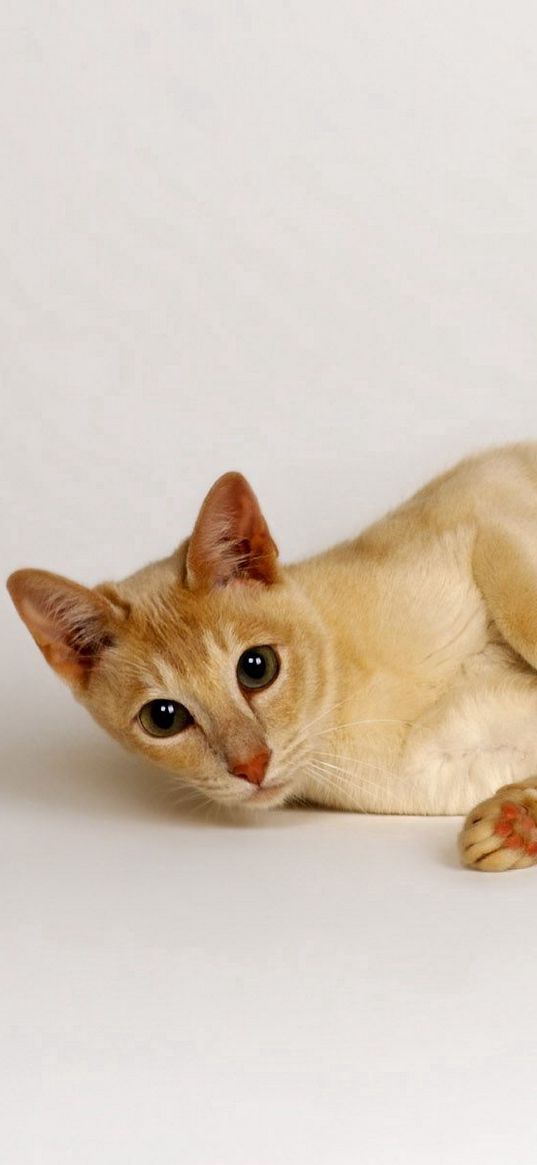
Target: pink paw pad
518,827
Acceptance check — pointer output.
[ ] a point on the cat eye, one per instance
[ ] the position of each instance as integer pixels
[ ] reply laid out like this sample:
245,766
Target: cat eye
164,718
257,667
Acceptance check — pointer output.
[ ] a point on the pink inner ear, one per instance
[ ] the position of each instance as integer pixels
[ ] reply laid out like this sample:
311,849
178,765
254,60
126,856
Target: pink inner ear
70,624
231,539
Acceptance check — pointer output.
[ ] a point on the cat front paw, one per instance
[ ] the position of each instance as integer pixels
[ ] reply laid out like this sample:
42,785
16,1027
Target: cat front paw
501,833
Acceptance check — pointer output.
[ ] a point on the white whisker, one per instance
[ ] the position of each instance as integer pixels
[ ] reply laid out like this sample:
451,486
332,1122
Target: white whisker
359,780
359,723
305,735
336,781
357,760
331,708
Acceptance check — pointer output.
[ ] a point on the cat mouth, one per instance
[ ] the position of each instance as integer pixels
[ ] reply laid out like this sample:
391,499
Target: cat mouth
265,795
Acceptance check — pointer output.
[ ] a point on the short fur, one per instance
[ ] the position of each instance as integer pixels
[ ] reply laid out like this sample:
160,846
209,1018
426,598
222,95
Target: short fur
408,679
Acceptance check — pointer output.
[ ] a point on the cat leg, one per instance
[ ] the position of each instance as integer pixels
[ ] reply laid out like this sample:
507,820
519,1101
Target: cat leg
501,832
505,569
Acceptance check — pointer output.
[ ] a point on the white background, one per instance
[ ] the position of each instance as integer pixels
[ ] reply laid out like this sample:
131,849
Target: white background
297,239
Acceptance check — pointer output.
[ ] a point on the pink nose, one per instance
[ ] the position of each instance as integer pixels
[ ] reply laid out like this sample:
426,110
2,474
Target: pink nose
254,769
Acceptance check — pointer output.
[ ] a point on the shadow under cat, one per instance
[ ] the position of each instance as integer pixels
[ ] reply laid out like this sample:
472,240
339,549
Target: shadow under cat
93,777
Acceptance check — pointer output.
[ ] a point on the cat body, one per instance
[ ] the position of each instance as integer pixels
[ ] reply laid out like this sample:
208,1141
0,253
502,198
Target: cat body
394,673
444,708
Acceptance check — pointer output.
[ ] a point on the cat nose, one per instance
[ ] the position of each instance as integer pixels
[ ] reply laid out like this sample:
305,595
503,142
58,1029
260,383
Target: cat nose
254,769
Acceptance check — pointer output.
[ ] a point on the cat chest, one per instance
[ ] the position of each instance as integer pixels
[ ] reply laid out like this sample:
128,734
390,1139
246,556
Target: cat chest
479,735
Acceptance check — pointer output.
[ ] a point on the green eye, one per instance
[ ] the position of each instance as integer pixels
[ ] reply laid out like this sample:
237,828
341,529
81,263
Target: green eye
257,667
164,718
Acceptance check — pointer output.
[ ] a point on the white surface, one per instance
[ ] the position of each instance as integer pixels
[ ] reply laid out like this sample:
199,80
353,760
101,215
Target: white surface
319,988
297,240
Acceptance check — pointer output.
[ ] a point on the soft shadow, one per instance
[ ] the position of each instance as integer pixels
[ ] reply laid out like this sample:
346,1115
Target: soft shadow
88,775
446,851
93,776
449,858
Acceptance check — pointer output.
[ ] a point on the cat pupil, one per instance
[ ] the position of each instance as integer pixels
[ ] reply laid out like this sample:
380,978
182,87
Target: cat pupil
254,666
163,714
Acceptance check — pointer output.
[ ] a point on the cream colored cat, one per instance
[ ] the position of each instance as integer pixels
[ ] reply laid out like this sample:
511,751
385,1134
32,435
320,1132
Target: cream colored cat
395,673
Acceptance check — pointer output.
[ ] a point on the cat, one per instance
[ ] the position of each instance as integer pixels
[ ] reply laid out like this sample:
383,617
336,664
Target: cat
394,673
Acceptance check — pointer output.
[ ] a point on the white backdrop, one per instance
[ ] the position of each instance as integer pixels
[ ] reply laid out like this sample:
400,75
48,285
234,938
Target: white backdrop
297,239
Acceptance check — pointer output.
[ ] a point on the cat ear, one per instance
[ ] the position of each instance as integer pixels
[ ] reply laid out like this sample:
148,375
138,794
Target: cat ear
70,623
231,539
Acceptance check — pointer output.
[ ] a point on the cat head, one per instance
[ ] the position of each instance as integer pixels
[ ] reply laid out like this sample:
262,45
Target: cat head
212,662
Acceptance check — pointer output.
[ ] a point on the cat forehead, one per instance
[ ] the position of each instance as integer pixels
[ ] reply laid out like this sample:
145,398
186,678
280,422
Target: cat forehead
181,638
180,626
208,665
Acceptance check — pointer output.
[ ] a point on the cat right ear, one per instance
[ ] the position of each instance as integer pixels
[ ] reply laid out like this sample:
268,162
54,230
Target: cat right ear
71,624
231,539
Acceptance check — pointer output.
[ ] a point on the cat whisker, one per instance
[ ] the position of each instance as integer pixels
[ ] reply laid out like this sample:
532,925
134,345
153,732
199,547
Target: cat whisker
357,777
305,735
336,780
192,799
354,777
360,723
358,760
344,778
349,780
331,708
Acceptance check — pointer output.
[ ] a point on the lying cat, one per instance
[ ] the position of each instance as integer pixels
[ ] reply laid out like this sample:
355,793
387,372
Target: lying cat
395,673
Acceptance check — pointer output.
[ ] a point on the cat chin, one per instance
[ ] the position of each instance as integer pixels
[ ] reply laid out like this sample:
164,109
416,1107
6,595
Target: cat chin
267,798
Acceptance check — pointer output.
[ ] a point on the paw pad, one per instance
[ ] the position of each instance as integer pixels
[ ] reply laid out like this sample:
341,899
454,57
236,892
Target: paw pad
518,827
501,834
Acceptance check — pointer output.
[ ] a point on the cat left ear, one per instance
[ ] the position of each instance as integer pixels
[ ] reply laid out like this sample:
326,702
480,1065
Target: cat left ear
231,539
71,624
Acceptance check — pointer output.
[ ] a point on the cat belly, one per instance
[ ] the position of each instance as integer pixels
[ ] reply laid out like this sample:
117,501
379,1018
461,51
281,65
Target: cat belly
466,747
